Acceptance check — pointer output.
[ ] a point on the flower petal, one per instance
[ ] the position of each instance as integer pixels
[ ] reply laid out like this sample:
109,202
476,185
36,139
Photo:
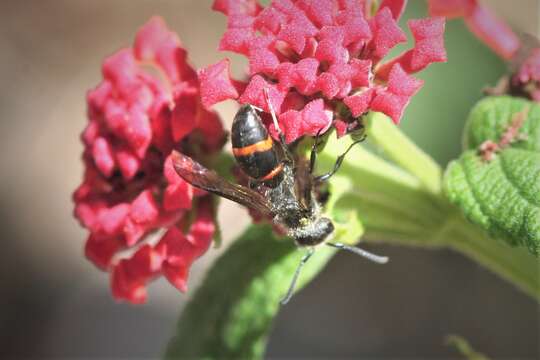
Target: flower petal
254,94
493,32
393,99
397,7
429,47
386,34
216,85
359,103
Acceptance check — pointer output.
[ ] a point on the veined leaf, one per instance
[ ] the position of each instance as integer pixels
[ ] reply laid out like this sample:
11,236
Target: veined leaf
500,192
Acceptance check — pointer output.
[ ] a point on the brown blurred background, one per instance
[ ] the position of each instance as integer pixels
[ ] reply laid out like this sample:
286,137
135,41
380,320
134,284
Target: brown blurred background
54,304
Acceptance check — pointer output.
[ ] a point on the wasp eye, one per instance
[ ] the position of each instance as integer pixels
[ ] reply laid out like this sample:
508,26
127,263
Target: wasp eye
327,226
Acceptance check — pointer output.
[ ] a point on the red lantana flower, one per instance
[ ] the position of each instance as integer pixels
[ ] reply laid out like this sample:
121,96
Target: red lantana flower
147,105
310,56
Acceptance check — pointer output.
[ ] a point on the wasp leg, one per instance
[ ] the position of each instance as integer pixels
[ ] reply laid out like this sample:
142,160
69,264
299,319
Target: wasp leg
314,149
370,256
304,260
338,163
282,141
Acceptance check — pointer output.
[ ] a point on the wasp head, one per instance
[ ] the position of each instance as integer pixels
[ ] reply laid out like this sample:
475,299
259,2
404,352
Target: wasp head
313,232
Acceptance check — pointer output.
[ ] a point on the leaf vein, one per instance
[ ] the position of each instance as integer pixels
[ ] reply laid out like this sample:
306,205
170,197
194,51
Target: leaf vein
519,191
472,189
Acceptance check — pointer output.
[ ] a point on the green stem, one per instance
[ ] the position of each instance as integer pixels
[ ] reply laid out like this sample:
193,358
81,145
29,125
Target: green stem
398,147
514,264
396,208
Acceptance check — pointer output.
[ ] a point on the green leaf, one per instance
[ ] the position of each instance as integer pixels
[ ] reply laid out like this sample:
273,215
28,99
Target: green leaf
231,314
465,348
503,194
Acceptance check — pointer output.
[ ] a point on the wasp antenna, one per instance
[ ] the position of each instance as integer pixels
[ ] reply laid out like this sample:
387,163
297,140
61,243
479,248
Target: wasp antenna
370,256
282,140
289,295
272,112
257,108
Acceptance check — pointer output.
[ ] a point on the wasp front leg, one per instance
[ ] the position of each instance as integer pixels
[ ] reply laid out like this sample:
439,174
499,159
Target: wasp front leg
314,151
337,164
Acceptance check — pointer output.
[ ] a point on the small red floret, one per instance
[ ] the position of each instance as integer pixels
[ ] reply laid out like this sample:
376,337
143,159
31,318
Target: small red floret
359,103
386,34
216,84
393,99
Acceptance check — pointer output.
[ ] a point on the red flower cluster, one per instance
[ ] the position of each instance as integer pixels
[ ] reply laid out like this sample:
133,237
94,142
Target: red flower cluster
147,105
312,55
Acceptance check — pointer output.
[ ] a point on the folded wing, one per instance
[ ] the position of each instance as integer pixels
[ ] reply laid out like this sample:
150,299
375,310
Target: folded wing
208,180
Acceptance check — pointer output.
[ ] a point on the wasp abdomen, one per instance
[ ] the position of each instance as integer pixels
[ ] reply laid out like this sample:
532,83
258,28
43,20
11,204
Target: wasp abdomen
254,148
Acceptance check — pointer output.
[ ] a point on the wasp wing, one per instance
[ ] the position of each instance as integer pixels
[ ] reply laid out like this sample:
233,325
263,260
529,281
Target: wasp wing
208,180
303,182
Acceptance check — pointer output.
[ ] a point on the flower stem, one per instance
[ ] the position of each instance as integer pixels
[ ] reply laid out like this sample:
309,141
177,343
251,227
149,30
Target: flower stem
396,207
514,264
398,147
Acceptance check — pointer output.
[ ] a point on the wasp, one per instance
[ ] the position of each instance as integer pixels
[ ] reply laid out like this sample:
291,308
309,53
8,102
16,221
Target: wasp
280,187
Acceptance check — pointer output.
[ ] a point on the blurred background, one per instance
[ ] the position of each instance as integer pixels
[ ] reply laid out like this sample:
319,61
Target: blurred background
55,304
